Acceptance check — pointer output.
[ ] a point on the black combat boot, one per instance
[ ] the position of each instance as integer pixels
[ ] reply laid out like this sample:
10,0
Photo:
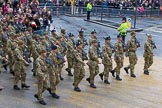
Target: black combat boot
12,72
126,70
106,82
36,96
88,79
69,72
54,95
61,78
113,73
49,90
25,86
93,86
77,89
133,75
5,67
118,78
15,87
101,76
42,102
146,72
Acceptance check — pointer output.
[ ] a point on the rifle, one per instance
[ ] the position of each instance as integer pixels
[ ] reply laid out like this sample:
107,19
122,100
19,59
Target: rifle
137,42
99,51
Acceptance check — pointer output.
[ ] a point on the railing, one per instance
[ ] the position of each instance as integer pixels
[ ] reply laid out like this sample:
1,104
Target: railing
100,11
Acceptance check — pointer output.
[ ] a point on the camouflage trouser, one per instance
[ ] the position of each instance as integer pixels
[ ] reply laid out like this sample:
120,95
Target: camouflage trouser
93,69
42,86
119,64
79,74
148,61
132,61
70,63
53,77
20,74
10,59
60,66
107,69
34,65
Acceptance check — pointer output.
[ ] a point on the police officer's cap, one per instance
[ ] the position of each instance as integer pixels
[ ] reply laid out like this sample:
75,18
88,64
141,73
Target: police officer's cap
78,43
124,19
54,47
107,38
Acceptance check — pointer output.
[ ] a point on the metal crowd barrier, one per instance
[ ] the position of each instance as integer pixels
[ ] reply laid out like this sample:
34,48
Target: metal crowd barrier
98,11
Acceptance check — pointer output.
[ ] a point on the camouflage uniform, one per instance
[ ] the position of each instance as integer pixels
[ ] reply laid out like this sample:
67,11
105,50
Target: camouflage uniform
19,66
93,64
42,76
70,55
118,57
131,50
53,73
148,55
79,71
60,51
106,61
35,54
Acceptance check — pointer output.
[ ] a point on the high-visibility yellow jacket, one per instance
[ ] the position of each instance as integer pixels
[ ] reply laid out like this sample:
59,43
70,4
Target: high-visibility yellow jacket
89,7
123,28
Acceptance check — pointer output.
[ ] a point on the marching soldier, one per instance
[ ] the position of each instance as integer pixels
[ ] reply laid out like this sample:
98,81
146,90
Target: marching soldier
93,63
93,36
34,52
79,71
53,36
131,53
118,57
61,52
53,73
148,54
70,52
42,76
106,60
19,67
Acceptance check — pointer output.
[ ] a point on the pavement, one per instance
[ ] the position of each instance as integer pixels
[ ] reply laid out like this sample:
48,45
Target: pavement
141,92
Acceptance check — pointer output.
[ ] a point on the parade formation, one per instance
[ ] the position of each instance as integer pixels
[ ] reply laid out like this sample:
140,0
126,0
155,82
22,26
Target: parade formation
32,41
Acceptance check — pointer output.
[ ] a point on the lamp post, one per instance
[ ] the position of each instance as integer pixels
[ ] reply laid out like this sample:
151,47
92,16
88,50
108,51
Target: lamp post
135,14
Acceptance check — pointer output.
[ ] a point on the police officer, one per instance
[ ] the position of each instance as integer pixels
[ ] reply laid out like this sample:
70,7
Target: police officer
79,71
123,29
93,63
106,60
